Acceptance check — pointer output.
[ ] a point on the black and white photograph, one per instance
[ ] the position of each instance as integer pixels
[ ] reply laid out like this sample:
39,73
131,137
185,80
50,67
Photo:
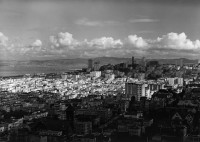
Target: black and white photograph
99,70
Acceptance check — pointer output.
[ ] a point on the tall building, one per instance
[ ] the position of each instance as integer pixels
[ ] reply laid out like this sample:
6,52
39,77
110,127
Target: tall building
62,114
135,89
90,64
181,62
96,65
56,107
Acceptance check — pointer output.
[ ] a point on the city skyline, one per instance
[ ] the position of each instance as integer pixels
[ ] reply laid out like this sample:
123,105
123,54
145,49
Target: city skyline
99,70
50,29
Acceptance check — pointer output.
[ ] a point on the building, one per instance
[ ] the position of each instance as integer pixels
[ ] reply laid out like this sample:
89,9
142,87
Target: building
175,81
171,81
133,126
152,88
51,131
19,135
56,107
62,113
75,76
96,65
90,64
64,76
95,119
84,138
135,89
123,65
109,77
95,74
180,81
103,113
83,128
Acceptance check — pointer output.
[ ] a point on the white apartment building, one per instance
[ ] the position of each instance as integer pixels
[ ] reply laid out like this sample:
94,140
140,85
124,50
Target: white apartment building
135,89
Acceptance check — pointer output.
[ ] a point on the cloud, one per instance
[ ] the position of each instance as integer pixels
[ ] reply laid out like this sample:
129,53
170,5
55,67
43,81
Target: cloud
137,41
63,40
87,22
176,41
65,44
171,45
143,20
3,40
34,48
105,43
66,41
37,43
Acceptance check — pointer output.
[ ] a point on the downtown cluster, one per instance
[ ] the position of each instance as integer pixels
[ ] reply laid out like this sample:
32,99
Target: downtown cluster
139,100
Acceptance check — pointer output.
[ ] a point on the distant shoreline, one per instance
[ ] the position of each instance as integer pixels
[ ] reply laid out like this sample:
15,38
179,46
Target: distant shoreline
48,72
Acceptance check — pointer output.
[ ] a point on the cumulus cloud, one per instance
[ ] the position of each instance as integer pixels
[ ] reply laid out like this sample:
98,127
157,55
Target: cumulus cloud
132,45
137,41
37,43
3,40
66,41
63,44
105,43
63,40
176,41
34,48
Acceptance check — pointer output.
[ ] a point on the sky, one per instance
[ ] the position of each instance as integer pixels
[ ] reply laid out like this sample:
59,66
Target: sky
61,29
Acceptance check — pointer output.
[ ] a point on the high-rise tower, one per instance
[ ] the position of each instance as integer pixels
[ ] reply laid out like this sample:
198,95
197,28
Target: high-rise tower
96,65
90,64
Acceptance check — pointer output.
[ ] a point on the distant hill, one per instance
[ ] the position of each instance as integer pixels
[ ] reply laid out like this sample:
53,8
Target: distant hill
176,61
76,63
79,63
111,60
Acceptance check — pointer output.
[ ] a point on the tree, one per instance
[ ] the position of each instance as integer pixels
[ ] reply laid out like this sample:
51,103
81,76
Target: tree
153,63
